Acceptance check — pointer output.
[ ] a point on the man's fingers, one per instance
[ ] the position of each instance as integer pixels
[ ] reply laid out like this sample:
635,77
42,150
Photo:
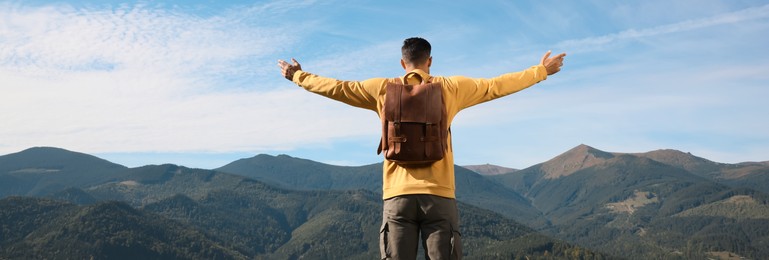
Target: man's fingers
556,57
288,69
285,64
544,58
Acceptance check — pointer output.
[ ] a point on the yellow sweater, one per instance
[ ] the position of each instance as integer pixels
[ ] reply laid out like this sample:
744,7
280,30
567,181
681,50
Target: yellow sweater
459,92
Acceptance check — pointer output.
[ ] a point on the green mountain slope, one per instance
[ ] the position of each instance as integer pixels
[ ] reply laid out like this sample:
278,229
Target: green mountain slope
42,170
754,175
662,204
624,203
45,229
294,173
247,218
738,207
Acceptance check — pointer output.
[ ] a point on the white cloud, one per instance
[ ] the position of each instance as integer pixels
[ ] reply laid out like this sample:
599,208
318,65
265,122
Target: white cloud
596,42
138,78
61,39
78,112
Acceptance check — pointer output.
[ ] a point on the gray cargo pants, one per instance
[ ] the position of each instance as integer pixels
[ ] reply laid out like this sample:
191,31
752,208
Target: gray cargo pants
404,217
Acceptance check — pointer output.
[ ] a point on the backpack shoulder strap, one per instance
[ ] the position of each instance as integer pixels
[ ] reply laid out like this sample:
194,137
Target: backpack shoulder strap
391,83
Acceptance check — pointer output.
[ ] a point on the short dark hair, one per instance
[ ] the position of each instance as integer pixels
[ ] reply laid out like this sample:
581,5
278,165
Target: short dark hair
415,50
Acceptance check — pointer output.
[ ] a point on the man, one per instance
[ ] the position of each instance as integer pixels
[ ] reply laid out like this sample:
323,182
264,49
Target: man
421,199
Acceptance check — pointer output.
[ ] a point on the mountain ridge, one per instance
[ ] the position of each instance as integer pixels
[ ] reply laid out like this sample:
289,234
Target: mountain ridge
652,204
47,151
633,198
577,158
302,174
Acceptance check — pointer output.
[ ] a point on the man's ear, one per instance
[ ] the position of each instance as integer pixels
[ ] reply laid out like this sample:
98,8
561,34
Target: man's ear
403,64
430,61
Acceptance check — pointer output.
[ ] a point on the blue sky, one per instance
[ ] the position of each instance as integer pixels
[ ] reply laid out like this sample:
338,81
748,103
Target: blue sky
196,83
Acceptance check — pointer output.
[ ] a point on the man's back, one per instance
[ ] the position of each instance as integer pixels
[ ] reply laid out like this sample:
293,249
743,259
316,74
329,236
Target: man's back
459,92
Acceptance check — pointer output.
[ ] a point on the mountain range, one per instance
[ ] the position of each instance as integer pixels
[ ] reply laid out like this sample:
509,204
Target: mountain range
174,212
585,202
295,173
660,202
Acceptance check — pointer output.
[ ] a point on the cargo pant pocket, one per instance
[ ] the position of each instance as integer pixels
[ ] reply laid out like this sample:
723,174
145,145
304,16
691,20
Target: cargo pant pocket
383,243
456,243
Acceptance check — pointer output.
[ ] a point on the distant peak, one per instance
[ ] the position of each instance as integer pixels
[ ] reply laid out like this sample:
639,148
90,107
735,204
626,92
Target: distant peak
582,146
672,153
578,158
668,152
47,149
680,159
265,156
52,157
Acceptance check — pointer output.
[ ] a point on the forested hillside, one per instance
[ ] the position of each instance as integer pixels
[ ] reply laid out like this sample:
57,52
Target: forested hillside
582,204
296,173
645,205
173,212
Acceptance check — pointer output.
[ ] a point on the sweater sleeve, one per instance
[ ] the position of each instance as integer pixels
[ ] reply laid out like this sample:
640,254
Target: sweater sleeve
361,94
473,91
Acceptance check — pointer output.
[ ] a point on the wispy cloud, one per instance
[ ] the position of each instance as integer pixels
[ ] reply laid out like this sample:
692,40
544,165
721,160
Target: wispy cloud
699,91
727,18
61,39
139,78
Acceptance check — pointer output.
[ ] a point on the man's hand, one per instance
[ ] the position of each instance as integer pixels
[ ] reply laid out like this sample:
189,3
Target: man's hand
288,69
552,64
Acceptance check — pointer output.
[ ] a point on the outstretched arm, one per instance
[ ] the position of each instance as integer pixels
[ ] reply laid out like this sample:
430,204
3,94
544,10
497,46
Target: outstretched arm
479,90
355,93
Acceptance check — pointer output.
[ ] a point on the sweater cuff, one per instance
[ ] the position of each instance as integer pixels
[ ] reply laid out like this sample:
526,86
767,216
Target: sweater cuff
541,72
297,76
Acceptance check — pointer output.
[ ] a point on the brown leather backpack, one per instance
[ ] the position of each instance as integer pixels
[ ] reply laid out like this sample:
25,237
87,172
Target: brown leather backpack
414,127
